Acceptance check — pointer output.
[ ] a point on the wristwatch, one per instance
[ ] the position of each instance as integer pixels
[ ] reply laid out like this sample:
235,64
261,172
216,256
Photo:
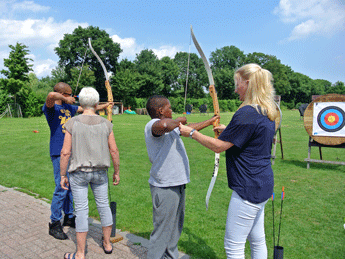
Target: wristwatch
191,133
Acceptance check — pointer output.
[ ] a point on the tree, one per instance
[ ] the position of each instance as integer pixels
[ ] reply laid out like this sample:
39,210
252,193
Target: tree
278,70
71,52
229,57
150,79
17,63
4,97
197,76
126,82
170,72
80,79
59,75
18,69
224,83
337,88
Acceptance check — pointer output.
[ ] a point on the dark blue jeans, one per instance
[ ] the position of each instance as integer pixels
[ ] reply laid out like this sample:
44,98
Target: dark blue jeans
62,199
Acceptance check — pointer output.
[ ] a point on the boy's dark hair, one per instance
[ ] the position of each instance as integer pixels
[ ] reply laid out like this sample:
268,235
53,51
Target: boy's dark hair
154,103
61,87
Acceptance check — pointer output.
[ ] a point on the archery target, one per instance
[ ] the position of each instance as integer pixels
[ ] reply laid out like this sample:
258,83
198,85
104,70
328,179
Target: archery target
329,119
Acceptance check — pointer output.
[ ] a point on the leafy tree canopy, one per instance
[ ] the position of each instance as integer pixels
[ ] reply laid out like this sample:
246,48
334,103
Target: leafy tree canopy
72,49
17,63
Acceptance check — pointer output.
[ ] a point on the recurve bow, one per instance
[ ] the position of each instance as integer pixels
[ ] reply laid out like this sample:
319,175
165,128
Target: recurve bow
213,94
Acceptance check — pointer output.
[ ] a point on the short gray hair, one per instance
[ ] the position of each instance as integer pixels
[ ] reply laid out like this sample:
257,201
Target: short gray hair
88,98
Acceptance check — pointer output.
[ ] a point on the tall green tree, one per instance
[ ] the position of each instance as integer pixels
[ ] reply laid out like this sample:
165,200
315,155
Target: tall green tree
197,76
71,51
125,83
4,96
279,71
59,75
224,83
17,63
229,57
150,80
81,77
18,69
169,72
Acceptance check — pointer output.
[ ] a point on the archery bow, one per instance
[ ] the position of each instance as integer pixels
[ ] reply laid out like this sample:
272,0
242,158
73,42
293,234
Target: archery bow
213,94
107,84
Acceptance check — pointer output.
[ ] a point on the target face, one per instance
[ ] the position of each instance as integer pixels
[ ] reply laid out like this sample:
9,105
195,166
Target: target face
331,119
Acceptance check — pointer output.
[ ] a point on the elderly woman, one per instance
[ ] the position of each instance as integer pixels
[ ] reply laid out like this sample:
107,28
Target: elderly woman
247,141
89,139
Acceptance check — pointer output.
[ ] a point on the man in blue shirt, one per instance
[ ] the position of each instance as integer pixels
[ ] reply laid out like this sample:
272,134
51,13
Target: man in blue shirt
58,109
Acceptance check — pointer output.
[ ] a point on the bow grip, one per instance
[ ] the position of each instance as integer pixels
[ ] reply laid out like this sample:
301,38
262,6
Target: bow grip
110,99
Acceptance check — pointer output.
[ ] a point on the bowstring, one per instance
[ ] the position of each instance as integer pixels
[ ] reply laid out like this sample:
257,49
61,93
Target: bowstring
185,91
81,70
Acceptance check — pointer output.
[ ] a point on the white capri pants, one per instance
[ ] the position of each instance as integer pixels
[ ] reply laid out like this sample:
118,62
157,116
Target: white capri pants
245,220
79,182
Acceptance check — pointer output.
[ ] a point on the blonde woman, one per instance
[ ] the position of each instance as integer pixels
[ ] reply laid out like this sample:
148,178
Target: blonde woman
247,141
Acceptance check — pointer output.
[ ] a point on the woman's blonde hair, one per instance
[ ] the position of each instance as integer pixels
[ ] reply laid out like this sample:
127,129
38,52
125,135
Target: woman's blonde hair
260,91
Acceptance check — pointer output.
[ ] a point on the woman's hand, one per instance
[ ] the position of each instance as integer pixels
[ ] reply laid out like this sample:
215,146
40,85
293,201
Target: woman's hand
185,130
64,182
116,178
219,128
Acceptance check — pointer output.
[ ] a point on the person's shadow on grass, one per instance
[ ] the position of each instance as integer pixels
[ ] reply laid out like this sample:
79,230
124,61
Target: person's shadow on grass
196,246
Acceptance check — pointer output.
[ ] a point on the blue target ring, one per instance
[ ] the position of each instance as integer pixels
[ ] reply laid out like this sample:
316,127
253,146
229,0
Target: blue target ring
328,115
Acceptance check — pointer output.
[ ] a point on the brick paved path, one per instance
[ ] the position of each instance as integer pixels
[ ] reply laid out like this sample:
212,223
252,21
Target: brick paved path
24,232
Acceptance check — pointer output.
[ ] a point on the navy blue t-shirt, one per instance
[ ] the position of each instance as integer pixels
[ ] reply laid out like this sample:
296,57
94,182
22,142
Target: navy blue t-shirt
56,117
248,162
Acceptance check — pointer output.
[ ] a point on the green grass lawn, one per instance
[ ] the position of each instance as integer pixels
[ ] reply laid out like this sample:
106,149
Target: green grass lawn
314,205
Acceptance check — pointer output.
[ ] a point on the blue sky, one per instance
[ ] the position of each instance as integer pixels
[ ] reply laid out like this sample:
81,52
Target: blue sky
308,36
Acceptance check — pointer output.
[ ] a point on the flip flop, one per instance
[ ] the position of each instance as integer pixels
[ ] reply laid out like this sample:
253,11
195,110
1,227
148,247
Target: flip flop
69,256
107,251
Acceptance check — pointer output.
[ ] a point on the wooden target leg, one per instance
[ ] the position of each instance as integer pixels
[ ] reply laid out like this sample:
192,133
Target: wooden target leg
281,143
309,151
320,153
273,156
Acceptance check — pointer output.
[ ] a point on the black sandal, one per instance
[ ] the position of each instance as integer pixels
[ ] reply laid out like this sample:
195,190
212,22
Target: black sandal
106,251
69,256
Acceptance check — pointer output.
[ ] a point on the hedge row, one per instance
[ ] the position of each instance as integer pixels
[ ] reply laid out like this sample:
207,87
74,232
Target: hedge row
177,104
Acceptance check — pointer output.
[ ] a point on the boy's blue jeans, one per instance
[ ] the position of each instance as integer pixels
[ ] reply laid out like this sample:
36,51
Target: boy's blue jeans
62,199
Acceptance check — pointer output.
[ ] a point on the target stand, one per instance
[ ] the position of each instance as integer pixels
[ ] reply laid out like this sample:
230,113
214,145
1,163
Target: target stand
277,99
325,129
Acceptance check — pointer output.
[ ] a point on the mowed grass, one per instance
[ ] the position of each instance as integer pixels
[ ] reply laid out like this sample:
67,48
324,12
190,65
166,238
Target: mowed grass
313,210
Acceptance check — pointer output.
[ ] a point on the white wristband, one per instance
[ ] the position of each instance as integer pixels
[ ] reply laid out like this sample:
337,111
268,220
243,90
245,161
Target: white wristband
191,133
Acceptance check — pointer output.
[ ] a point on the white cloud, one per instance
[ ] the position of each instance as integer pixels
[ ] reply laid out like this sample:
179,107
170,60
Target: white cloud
10,8
166,50
29,6
323,17
129,47
35,32
44,67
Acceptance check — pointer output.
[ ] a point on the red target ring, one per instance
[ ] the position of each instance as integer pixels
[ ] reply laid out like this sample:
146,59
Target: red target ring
331,119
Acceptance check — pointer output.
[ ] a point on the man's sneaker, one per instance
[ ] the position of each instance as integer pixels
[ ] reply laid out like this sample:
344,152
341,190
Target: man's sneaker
55,230
70,222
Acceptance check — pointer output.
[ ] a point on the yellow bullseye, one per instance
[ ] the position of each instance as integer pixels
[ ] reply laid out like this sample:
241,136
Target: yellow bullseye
331,119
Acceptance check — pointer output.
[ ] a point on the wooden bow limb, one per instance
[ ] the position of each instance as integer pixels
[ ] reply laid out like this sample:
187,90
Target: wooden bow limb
213,94
107,84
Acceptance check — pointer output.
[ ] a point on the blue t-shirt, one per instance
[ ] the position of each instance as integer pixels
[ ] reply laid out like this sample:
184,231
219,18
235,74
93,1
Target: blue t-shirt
248,162
56,117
